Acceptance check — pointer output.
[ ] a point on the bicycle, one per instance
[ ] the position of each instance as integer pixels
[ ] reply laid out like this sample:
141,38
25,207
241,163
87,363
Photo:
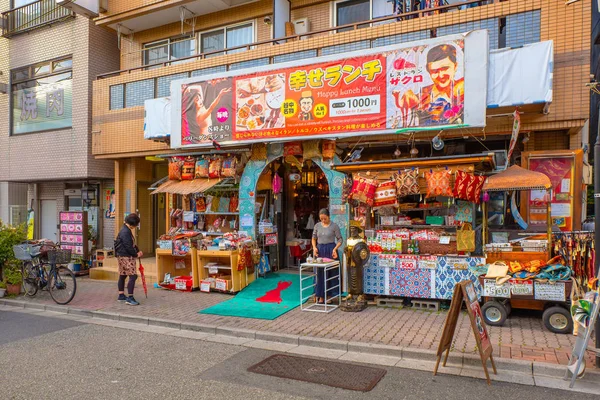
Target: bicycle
58,279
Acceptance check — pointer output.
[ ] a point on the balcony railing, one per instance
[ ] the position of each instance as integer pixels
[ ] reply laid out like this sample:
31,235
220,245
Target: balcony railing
32,16
341,28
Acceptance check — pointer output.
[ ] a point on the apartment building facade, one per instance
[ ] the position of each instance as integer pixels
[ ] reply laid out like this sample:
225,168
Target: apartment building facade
162,42
50,57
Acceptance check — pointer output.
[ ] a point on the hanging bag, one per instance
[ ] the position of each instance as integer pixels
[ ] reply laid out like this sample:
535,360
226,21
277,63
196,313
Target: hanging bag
465,238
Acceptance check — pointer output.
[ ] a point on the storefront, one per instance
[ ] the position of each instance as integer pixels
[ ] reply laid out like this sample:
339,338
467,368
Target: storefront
305,128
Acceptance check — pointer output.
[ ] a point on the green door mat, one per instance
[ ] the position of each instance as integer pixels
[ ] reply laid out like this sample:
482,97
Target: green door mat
265,298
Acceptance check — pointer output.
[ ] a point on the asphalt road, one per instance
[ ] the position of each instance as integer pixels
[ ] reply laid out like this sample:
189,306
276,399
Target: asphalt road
55,358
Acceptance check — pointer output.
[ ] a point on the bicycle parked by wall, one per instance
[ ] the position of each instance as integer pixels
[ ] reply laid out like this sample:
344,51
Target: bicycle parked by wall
43,268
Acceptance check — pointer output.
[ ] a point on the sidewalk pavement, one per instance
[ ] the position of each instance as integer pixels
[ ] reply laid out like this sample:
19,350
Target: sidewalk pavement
522,338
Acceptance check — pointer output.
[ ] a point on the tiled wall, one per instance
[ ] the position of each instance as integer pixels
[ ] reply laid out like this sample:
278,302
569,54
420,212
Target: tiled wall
568,27
67,152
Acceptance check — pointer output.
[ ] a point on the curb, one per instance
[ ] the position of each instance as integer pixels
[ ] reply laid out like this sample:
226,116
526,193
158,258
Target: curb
467,362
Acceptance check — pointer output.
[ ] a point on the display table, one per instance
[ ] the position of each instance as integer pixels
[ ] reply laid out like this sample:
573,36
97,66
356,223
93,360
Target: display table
227,262
166,263
307,271
428,277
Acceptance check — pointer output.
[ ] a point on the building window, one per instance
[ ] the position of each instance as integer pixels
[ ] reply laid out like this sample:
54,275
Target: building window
169,50
41,96
226,37
353,11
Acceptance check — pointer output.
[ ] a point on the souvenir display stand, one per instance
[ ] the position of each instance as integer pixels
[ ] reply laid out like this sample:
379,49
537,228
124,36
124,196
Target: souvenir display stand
219,269
414,220
529,278
175,266
202,247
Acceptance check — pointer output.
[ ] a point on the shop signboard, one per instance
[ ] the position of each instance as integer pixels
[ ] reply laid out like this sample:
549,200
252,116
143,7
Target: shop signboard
43,107
465,292
432,84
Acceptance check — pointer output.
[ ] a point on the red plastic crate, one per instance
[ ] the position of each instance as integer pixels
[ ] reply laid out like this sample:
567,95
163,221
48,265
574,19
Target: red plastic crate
182,283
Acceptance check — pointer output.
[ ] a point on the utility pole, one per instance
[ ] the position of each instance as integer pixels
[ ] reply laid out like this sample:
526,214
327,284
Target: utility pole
597,223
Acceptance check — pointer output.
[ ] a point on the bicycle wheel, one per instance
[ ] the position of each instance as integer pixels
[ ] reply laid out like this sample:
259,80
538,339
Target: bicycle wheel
30,279
62,285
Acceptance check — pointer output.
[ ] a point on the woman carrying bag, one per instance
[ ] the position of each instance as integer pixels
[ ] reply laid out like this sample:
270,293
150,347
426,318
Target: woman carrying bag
127,254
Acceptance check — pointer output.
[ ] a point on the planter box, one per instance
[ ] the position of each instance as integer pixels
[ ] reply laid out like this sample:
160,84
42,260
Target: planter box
13,289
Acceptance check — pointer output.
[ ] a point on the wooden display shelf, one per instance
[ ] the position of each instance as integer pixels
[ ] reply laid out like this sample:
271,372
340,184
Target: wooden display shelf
421,209
520,256
165,263
239,279
418,226
217,213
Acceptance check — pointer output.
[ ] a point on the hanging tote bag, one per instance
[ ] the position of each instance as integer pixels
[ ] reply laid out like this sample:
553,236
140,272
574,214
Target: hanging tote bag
465,238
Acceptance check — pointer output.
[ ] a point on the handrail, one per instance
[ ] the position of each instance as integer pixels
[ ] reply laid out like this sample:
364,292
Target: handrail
354,26
33,15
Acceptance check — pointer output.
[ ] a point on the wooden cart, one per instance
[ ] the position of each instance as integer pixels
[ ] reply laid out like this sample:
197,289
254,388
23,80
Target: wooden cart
551,298
530,294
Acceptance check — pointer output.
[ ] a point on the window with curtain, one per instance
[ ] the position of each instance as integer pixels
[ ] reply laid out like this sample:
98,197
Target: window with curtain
169,50
353,11
228,36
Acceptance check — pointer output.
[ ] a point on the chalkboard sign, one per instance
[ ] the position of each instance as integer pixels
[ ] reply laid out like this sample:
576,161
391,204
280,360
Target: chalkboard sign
465,291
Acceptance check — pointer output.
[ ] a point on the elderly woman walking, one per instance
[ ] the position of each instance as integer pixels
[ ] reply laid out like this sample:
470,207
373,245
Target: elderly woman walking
127,254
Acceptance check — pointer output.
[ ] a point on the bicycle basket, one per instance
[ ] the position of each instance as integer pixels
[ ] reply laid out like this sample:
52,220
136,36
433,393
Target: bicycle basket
25,252
59,256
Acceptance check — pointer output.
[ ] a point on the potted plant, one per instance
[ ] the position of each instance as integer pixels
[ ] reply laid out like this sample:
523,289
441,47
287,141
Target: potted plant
2,289
77,263
91,238
13,277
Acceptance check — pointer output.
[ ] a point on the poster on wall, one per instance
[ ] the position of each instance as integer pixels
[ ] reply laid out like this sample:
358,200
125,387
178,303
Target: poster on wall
109,203
436,84
561,172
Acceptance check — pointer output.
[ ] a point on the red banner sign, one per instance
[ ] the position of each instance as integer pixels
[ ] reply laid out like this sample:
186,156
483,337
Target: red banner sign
417,87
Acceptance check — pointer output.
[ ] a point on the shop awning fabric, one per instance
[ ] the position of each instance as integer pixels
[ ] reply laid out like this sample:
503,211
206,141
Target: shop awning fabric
187,187
517,178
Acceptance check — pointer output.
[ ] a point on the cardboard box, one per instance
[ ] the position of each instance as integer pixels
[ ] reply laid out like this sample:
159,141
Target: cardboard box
223,283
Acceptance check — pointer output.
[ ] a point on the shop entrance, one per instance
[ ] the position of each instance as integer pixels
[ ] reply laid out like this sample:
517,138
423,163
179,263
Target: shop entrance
292,207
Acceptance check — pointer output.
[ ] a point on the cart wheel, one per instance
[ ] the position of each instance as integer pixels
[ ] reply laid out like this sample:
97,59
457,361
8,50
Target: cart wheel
494,313
506,305
558,320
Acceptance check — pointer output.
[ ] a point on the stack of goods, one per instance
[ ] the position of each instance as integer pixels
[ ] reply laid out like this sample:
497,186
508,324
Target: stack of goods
551,270
405,241
214,167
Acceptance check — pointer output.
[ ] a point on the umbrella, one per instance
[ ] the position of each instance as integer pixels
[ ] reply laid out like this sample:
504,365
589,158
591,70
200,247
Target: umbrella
143,278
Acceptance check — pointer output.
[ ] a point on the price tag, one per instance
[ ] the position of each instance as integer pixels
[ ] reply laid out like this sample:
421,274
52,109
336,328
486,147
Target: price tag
180,285
360,105
444,239
490,289
205,286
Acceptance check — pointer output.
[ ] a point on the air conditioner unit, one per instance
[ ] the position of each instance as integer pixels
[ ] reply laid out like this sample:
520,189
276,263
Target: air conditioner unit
301,25
87,8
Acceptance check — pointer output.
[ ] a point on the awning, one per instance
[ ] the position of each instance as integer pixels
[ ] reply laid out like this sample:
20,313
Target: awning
187,187
517,178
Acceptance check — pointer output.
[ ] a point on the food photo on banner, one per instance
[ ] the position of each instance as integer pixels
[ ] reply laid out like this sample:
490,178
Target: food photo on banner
431,84
206,111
